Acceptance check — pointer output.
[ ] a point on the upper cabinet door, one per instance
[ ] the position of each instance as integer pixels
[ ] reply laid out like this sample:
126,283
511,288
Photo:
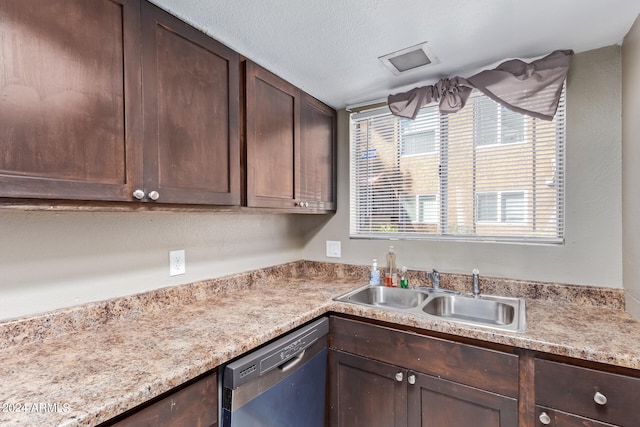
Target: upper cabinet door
191,113
272,139
70,105
317,158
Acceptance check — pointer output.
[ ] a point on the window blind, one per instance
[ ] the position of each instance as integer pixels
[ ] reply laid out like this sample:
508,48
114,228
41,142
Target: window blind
483,173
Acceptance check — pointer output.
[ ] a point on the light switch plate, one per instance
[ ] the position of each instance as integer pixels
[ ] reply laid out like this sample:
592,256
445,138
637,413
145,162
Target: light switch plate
177,263
333,249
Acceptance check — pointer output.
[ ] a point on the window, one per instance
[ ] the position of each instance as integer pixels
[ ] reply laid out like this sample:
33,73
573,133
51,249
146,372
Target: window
484,173
420,209
501,207
419,136
495,124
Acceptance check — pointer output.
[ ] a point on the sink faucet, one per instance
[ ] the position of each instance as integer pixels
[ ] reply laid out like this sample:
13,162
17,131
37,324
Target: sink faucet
434,276
476,284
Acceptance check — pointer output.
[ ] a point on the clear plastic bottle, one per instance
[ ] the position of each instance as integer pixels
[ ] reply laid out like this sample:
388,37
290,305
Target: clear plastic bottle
404,280
390,270
374,274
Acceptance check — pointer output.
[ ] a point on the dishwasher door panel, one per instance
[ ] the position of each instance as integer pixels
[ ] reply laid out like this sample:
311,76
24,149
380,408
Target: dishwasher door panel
297,400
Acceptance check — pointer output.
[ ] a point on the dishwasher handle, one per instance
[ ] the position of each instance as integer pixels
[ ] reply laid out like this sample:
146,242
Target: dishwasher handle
292,362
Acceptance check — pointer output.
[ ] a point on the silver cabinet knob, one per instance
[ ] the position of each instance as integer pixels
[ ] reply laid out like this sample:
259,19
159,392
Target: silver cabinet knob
138,194
399,376
411,379
600,398
544,418
154,195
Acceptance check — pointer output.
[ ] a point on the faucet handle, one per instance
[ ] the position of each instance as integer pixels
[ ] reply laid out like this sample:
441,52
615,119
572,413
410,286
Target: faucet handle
476,282
434,277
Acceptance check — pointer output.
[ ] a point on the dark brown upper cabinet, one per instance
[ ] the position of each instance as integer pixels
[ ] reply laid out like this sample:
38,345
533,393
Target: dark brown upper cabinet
317,157
290,143
117,100
70,101
191,114
76,76
273,139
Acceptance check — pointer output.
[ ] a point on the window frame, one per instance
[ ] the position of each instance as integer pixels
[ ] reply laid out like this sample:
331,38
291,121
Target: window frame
526,231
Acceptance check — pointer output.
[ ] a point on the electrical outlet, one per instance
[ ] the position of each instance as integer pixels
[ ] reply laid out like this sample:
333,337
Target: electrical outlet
177,263
333,249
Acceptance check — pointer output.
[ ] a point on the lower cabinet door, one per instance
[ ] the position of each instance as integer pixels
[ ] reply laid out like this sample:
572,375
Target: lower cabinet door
195,405
365,392
434,402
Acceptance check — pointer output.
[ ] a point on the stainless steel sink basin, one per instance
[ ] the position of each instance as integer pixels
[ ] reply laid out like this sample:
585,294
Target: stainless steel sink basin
500,312
381,296
489,311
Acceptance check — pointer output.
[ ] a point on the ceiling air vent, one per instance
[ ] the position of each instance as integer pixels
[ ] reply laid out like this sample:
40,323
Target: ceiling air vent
410,59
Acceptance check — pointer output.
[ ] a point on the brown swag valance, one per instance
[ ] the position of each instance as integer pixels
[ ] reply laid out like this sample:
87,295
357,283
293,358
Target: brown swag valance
533,89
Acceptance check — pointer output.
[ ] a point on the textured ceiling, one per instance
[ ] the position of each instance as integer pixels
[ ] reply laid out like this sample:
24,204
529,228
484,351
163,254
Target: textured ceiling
330,48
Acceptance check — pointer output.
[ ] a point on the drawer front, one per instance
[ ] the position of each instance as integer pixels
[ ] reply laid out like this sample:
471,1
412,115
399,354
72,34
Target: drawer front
553,418
193,405
475,366
578,390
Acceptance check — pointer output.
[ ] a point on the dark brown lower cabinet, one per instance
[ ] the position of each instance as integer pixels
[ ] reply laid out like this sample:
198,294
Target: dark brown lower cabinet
369,393
584,397
195,405
435,402
551,417
381,376
365,392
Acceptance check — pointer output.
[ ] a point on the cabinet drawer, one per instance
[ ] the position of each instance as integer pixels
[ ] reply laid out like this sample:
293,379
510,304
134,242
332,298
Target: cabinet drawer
562,419
475,366
573,389
193,405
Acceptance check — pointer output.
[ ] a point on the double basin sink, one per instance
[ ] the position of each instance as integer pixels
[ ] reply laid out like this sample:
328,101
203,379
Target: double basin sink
489,311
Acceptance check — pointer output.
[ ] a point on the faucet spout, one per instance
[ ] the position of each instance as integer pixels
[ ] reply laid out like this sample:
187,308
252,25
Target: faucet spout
476,283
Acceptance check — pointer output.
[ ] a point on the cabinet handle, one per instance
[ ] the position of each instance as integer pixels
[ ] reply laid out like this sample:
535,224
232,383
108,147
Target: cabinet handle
138,194
303,204
411,379
154,195
544,418
600,398
399,376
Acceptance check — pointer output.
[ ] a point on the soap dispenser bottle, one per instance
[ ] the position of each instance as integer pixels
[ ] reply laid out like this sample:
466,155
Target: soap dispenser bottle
390,273
404,280
374,274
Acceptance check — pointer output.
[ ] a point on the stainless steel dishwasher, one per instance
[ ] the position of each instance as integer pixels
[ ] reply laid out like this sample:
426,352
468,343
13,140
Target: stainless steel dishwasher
280,385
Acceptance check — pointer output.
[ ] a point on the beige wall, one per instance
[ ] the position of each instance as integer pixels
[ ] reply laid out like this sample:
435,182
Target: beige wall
630,169
592,253
51,260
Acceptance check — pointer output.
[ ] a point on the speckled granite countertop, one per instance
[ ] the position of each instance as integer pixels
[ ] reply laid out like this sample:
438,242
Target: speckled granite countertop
85,365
